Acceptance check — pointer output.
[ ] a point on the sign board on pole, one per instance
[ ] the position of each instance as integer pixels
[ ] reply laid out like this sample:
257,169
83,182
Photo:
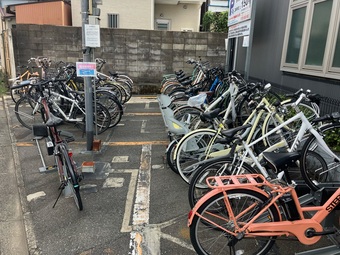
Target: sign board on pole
239,11
86,69
239,18
240,29
92,36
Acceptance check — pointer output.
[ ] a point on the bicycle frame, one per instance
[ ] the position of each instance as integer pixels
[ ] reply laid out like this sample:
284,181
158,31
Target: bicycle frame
73,106
257,183
305,126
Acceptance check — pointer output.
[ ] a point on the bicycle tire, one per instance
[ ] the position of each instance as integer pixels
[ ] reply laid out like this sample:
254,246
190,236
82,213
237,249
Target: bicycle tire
191,149
316,178
70,175
109,100
26,114
170,156
216,167
101,117
268,125
207,235
182,112
18,93
243,111
116,90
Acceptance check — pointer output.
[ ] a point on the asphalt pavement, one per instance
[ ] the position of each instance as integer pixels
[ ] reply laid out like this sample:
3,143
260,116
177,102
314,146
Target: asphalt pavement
133,203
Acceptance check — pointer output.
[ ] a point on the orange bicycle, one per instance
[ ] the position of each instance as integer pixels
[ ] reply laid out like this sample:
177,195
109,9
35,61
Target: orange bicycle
244,214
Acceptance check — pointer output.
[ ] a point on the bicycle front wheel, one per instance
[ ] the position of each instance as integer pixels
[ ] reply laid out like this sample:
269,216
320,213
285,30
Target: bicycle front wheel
208,230
318,167
101,118
28,112
193,148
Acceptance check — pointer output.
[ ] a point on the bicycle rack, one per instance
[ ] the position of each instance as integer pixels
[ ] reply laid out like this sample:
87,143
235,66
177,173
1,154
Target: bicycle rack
40,132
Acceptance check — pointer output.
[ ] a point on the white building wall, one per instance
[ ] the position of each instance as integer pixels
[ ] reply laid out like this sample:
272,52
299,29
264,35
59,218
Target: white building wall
133,14
181,16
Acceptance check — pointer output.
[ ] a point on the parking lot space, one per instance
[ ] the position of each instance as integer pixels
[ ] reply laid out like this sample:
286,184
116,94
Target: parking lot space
133,203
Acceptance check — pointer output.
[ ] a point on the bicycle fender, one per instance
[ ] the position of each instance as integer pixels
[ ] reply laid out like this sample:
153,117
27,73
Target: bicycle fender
191,133
214,192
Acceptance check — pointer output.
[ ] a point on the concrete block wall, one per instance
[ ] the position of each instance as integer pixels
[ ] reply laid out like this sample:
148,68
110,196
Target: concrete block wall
145,55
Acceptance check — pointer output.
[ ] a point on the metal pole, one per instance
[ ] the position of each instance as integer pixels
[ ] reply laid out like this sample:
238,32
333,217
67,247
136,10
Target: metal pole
87,80
251,32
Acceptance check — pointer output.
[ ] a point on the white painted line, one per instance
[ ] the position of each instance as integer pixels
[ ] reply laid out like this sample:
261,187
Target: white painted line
129,198
140,217
112,182
36,195
142,130
177,241
120,159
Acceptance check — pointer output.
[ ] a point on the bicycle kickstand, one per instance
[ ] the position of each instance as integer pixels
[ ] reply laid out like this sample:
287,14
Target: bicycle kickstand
61,187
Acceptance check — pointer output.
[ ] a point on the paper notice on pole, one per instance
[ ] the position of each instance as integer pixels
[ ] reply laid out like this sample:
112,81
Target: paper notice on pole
240,29
92,36
245,41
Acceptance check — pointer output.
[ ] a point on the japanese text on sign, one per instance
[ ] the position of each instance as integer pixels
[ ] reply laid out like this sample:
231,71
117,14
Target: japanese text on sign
240,10
86,69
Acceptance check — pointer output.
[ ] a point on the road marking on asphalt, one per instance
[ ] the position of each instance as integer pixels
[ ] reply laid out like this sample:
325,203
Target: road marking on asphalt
135,143
35,195
140,216
143,128
113,182
126,227
120,159
143,114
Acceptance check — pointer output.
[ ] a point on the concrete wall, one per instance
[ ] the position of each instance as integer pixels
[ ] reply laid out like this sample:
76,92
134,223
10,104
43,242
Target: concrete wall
145,55
269,30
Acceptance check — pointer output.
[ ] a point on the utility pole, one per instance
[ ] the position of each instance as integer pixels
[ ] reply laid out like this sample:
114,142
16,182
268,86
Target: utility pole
87,80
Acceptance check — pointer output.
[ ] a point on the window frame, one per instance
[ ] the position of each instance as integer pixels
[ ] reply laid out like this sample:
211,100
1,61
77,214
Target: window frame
109,18
163,21
325,70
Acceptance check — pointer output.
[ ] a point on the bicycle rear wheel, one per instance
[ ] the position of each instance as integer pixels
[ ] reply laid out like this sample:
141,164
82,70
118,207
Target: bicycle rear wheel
70,175
319,168
208,228
101,118
216,167
28,112
109,100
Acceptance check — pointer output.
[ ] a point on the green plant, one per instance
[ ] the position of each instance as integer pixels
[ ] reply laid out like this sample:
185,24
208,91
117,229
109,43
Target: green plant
3,83
215,22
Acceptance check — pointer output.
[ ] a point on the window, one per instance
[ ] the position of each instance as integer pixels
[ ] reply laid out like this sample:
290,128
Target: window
113,20
312,38
162,24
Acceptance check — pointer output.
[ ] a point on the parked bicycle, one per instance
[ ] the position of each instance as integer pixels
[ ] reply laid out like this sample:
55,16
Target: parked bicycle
71,109
67,170
245,214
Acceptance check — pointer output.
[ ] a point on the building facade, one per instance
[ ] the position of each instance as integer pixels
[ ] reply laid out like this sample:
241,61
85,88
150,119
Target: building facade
295,44
170,15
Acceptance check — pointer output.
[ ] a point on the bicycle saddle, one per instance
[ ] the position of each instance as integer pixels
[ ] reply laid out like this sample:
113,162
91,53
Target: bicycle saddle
281,160
53,120
205,116
230,133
